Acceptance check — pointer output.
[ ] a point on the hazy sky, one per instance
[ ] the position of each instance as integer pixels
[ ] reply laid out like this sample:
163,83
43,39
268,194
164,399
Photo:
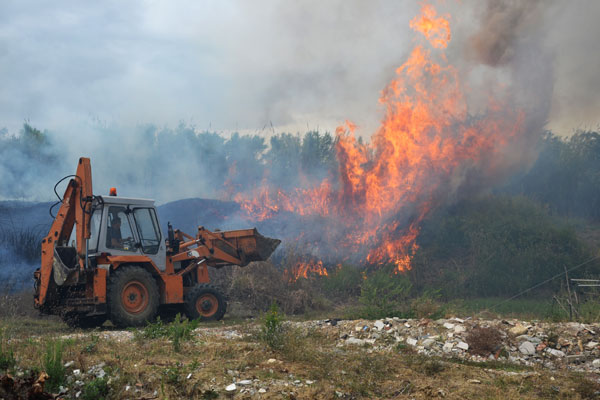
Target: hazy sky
229,65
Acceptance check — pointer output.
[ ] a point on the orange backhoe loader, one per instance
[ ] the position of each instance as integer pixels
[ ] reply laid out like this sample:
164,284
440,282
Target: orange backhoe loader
121,268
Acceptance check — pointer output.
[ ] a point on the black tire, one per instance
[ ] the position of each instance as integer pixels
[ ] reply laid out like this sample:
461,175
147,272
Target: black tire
205,302
133,296
74,320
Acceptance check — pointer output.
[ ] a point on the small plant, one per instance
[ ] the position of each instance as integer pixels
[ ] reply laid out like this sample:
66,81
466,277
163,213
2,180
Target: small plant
92,345
53,365
172,376
153,330
181,329
96,389
177,331
272,332
7,357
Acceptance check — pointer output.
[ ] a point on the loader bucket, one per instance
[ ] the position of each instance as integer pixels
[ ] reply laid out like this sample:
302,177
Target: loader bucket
247,244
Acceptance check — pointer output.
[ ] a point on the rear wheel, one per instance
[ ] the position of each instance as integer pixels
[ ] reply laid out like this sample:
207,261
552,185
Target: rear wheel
205,302
133,296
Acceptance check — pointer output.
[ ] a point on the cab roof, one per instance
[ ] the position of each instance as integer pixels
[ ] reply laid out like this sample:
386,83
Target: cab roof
127,201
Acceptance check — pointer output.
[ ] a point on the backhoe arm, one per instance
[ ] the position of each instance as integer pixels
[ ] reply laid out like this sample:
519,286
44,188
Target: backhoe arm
75,211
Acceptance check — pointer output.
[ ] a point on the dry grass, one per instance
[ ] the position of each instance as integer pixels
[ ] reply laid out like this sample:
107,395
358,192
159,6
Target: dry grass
214,358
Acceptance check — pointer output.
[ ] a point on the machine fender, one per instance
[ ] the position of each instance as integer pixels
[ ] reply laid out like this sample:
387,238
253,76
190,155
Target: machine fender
171,285
117,261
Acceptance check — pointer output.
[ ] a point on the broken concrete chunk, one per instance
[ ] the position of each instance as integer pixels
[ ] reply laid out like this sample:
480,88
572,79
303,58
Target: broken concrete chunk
527,348
462,346
231,387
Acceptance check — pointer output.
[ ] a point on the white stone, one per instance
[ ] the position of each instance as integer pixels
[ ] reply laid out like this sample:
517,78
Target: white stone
527,348
69,364
356,341
411,341
310,382
459,329
271,361
591,345
245,382
462,345
596,363
231,387
76,372
448,347
379,325
427,343
555,353
448,325
261,390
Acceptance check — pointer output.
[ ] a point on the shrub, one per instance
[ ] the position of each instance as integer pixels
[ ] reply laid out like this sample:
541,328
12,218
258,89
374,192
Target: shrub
180,330
272,332
96,389
495,246
53,365
427,305
385,293
342,283
177,331
484,341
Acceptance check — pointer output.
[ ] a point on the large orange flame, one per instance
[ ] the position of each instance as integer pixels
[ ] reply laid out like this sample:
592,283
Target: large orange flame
426,145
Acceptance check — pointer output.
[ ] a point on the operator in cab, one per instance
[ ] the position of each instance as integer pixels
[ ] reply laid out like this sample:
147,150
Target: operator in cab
114,234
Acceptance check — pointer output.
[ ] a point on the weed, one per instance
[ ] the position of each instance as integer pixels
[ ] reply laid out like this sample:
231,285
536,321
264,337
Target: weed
96,389
210,395
171,374
180,330
92,345
272,332
177,331
7,356
53,365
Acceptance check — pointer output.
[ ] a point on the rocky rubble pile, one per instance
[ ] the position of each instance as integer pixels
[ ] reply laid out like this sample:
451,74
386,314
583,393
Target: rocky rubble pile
553,345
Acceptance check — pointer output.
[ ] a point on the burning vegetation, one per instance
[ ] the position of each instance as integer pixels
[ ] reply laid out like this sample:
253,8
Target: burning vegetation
428,150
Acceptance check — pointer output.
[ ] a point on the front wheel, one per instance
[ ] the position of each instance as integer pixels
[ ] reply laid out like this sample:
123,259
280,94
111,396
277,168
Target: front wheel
205,302
133,296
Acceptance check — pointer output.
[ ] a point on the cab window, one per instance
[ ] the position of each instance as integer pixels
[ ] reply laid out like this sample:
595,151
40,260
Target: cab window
95,230
147,228
119,235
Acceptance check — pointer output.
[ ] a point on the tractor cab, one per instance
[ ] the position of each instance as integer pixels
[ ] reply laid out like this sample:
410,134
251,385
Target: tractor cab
122,226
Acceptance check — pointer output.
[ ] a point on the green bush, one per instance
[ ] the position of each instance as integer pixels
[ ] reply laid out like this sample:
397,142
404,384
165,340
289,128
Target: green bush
385,293
96,389
53,365
177,331
272,332
495,246
342,283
